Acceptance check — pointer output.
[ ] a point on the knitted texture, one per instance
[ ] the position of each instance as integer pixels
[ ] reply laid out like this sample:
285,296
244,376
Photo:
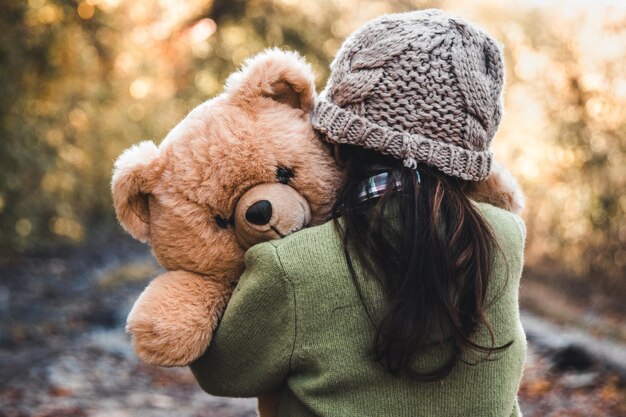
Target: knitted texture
420,86
296,325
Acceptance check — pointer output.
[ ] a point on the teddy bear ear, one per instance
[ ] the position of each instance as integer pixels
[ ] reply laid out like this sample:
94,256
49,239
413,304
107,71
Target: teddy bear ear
134,177
500,189
282,76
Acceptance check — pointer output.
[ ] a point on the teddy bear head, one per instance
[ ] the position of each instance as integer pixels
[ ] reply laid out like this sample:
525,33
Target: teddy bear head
241,168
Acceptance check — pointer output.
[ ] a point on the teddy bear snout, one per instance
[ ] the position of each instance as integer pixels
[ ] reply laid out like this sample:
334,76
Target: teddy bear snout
269,211
259,213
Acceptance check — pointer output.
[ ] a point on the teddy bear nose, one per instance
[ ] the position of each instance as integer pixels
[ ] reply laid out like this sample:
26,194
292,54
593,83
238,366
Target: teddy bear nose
259,213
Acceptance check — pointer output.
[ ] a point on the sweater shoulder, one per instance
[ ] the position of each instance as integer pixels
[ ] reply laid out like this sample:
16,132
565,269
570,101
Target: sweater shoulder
508,227
322,238
312,252
319,249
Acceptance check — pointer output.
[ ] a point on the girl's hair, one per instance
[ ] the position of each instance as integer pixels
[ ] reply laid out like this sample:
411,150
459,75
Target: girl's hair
431,251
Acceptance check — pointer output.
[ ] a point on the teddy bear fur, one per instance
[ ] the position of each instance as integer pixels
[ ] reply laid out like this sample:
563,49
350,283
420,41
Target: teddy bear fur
174,196
500,189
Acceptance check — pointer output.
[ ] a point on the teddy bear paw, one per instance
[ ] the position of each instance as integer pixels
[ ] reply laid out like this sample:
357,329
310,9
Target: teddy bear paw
172,321
159,343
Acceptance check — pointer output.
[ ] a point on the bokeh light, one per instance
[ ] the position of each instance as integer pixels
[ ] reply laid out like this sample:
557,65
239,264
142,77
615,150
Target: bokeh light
82,80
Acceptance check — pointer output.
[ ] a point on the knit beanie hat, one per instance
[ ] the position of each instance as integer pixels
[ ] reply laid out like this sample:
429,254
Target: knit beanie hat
420,86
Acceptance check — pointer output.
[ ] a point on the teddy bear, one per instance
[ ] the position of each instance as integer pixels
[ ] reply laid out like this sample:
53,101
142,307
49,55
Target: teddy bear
241,168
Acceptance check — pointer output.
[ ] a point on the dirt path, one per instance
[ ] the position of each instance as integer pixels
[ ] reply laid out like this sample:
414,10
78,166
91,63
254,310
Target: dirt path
63,352
97,375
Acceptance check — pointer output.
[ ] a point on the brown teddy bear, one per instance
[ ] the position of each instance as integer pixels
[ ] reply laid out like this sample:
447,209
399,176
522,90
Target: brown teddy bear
241,168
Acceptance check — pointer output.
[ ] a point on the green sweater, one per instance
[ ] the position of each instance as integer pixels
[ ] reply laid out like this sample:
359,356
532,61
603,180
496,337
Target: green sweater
295,325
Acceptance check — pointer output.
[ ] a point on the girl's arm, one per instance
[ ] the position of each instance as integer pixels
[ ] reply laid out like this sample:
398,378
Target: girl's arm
251,349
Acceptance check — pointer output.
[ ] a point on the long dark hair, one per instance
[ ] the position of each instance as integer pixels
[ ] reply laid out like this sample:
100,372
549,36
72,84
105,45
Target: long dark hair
432,252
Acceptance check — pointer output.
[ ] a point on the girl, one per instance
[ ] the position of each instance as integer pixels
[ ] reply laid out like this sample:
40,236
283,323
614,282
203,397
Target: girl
406,304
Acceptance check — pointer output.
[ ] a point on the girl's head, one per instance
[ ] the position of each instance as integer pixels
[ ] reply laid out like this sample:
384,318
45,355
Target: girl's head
422,87
417,96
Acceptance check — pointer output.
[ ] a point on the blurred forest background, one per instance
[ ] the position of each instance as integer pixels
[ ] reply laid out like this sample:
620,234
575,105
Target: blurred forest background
80,81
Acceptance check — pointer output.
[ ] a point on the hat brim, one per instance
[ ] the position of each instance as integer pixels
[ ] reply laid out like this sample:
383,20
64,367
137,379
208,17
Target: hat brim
342,126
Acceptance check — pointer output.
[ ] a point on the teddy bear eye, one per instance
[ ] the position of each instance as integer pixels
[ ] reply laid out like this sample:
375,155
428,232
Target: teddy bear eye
222,223
284,174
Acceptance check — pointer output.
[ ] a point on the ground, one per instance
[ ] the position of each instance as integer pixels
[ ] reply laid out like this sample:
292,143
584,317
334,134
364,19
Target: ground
64,353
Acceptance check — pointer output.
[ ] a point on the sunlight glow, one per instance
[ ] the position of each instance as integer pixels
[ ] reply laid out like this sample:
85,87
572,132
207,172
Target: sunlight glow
85,10
23,227
140,88
202,30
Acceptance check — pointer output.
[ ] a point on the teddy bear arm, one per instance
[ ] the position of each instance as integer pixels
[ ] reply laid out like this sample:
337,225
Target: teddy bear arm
173,320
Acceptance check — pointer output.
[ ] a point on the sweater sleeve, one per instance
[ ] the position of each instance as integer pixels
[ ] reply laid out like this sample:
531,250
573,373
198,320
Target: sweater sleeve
251,348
